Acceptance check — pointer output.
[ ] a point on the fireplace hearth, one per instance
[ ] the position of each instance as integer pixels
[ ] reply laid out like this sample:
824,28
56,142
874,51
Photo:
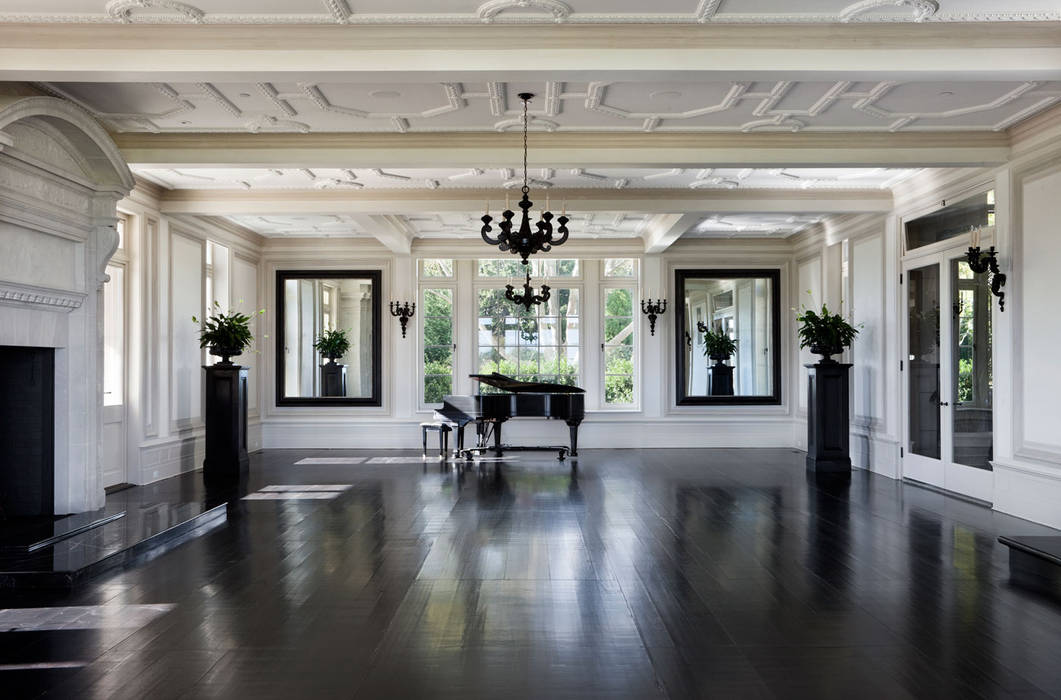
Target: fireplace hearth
27,432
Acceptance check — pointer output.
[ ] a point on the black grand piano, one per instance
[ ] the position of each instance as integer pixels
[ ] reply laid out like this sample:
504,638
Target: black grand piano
521,399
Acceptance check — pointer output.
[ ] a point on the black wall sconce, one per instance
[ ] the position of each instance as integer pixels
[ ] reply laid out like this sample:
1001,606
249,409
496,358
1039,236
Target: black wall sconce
528,298
653,309
403,312
984,261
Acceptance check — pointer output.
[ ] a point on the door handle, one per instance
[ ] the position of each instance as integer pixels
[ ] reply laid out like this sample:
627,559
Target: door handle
943,403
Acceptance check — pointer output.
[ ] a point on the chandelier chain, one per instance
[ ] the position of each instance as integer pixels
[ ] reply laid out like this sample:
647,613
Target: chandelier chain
525,125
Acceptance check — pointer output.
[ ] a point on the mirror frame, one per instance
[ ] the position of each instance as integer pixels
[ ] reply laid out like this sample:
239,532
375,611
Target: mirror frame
376,399
680,277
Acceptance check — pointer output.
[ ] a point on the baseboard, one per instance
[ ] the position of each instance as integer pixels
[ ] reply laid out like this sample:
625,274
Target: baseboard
400,434
1029,491
878,455
165,458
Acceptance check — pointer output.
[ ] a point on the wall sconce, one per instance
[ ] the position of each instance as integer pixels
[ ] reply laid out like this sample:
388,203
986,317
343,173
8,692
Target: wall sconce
984,261
528,298
653,309
403,312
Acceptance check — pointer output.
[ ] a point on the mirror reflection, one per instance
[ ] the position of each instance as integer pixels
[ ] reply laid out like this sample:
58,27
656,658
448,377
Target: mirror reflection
729,336
328,337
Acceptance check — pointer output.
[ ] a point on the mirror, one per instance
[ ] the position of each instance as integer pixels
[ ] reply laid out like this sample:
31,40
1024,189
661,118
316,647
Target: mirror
318,306
729,337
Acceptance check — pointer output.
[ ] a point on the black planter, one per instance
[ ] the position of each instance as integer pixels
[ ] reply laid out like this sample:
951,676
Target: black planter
720,380
226,422
333,379
828,417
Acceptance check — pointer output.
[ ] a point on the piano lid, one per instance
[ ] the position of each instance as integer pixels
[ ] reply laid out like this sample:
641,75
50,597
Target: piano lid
500,381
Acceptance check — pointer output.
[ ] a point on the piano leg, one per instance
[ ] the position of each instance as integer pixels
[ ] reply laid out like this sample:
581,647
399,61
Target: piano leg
497,438
573,429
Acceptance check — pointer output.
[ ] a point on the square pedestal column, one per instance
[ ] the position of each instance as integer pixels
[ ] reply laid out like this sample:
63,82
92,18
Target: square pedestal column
828,419
226,422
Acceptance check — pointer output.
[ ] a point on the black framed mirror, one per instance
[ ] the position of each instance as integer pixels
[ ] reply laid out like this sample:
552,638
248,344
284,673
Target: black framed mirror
728,344
328,333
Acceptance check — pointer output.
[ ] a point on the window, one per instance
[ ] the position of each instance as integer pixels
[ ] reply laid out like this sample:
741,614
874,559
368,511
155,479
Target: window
620,268
618,346
433,268
541,344
513,268
437,307
951,221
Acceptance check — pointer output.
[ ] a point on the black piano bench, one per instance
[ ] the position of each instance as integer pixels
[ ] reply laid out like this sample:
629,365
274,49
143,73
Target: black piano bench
443,431
1035,562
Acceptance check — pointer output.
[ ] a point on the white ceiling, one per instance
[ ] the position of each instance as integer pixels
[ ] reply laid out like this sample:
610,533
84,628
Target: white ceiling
573,11
693,106
498,179
307,225
752,225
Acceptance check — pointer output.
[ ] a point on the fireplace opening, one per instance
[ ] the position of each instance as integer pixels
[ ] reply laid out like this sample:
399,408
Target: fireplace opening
27,432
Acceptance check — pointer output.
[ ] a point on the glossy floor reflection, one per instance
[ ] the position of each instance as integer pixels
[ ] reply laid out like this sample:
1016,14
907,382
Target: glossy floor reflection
649,574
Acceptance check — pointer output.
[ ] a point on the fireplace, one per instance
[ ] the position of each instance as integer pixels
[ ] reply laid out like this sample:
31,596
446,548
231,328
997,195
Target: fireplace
27,432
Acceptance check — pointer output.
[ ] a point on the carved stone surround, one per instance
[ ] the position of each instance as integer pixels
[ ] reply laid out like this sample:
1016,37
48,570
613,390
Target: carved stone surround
30,296
536,11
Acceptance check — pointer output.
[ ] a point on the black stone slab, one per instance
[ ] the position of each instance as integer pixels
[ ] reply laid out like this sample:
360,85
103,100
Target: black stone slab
1035,561
121,541
30,534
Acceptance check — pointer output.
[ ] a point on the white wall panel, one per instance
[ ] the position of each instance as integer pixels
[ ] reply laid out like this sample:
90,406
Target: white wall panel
245,300
810,280
186,300
867,304
1040,337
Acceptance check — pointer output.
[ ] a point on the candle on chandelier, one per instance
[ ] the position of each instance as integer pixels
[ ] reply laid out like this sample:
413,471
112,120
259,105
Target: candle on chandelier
976,238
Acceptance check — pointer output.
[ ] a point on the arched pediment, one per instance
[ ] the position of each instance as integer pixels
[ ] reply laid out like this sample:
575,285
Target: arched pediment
77,138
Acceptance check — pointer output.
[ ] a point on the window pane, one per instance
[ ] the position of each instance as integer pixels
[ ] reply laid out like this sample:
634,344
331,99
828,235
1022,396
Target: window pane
619,389
619,267
619,329
437,267
954,220
437,305
437,386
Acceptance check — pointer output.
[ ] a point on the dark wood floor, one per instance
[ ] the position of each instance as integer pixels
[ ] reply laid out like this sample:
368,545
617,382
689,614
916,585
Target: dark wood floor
662,573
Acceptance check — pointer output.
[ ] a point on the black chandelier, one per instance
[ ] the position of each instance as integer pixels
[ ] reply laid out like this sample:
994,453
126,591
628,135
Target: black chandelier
525,242
528,298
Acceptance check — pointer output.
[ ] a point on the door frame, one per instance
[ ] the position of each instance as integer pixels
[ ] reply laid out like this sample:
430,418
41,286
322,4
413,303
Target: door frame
943,473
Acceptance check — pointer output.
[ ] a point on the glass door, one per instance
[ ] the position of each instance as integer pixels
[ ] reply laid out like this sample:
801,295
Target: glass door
948,384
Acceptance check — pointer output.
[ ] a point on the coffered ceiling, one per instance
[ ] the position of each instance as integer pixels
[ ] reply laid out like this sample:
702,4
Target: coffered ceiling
499,179
524,11
621,106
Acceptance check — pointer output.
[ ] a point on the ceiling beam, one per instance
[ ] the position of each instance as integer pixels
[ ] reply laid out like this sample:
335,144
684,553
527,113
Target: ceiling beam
372,203
566,150
167,52
388,230
665,229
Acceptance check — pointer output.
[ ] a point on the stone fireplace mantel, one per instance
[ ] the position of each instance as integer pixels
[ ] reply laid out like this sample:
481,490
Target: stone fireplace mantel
61,177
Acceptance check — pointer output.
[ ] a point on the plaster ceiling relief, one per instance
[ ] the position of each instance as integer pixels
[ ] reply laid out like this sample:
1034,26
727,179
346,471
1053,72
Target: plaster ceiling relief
308,225
583,225
623,106
494,182
753,225
524,11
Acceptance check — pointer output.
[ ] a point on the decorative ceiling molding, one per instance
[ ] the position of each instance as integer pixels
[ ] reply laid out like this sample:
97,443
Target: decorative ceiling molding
786,105
922,9
489,10
122,10
544,11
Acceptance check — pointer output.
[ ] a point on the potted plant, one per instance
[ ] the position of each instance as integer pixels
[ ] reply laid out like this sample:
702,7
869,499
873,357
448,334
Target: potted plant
225,334
332,344
719,347
824,332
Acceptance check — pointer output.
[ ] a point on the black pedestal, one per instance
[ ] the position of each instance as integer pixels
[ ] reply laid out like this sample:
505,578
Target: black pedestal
720,380
333,379
828,419
226,422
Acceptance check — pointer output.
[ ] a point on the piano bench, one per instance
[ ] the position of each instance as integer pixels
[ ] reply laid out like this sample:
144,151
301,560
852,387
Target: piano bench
443,431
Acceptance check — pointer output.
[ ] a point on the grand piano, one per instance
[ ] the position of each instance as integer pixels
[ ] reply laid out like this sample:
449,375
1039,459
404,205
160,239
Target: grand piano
520,399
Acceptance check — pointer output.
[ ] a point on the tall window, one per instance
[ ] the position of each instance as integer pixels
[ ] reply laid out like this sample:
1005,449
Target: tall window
437,305
539,345
618,346
114,323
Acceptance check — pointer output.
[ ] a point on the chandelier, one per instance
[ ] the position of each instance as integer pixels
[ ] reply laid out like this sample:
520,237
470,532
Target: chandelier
528,298
525,242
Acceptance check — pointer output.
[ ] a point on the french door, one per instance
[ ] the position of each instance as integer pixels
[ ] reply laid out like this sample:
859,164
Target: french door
947,375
